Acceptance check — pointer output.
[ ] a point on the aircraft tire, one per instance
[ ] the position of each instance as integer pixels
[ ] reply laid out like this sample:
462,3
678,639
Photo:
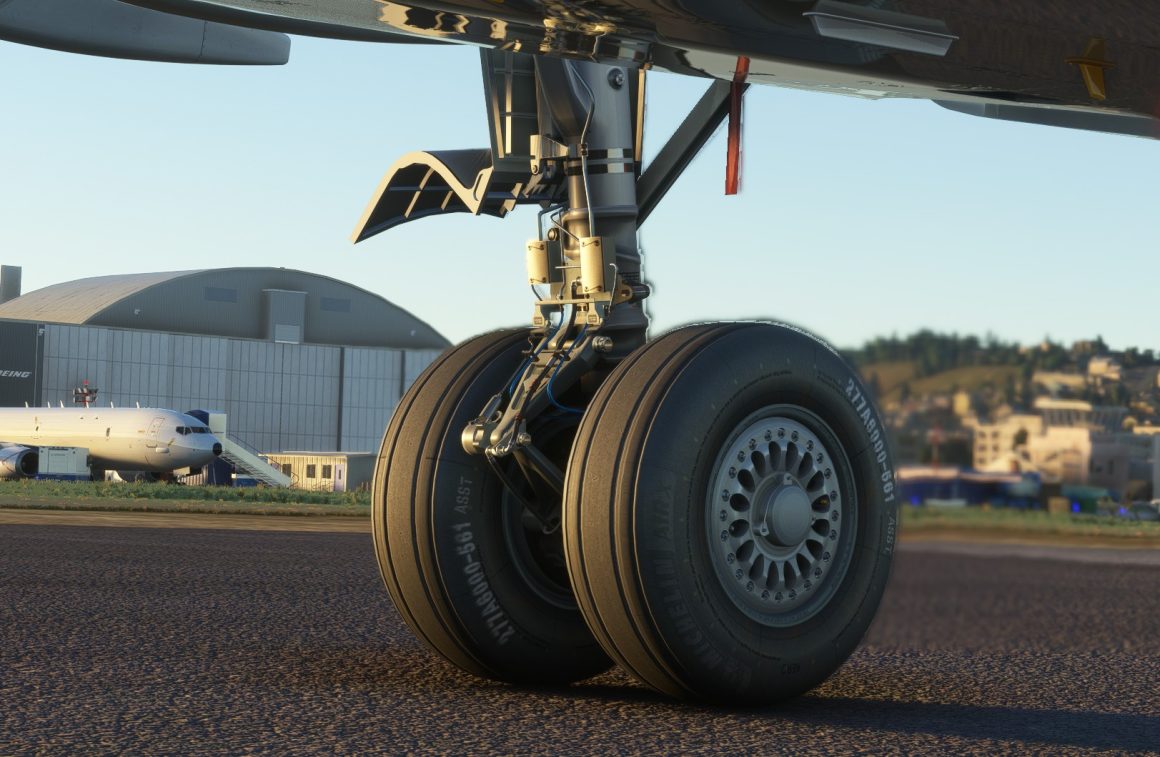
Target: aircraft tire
729,513
471,573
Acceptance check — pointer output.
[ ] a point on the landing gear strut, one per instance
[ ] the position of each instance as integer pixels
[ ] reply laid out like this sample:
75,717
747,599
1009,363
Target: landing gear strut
714,510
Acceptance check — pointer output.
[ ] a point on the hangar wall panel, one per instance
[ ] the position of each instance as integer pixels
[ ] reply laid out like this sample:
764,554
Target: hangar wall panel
372,385
277,396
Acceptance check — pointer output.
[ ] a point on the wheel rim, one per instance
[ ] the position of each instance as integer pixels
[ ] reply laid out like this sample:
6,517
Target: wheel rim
781,515
538,556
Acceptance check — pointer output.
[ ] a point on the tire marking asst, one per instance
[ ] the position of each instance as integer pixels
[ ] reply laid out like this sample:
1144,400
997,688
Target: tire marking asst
493,615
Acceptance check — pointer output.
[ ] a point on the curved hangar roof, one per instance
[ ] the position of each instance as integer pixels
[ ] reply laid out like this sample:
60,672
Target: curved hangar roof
251,303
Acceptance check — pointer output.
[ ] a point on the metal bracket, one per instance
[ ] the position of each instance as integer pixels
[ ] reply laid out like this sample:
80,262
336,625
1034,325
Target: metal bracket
550,370
687,141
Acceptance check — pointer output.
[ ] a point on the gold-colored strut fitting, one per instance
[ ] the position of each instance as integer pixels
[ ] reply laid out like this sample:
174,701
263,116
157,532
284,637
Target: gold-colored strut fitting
1092,65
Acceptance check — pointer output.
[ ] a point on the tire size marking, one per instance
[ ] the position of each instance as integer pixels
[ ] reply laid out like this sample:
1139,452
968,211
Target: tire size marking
493,615
866,413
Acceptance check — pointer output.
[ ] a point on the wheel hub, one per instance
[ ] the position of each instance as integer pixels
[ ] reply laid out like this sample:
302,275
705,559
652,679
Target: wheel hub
777,511
786,518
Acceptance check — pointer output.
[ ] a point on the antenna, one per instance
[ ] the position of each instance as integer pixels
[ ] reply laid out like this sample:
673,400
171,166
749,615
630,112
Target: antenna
85,394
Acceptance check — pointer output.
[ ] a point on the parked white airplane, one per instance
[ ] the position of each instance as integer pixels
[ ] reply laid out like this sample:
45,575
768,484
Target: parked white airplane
138,439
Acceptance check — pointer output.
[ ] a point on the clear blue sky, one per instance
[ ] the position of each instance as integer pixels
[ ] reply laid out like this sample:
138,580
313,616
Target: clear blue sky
857,218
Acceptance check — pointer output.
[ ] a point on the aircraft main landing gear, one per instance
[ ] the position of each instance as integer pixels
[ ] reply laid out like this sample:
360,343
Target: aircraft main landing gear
714,509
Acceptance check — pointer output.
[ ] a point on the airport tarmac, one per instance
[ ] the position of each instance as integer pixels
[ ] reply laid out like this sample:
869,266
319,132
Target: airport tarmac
160,640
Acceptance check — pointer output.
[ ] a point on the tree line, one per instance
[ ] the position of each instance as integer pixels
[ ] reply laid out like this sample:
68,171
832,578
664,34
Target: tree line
932,352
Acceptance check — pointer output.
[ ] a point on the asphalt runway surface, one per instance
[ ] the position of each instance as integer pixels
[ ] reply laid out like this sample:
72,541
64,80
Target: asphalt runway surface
176,640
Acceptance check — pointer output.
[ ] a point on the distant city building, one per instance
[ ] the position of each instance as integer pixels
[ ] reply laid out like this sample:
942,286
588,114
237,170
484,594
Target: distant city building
1058,381
1070,443
964,404
1075,413
296,360
1104,368
996,442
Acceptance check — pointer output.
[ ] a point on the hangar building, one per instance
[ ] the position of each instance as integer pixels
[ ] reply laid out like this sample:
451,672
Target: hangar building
298,361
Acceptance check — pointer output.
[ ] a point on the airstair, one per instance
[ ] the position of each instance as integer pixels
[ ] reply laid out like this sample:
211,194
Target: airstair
250,462
245,459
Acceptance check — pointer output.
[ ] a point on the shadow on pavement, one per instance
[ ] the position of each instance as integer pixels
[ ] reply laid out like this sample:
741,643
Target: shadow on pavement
1092,730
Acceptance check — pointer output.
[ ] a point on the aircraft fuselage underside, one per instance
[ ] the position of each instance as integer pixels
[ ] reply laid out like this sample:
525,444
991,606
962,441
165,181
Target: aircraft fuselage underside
976,51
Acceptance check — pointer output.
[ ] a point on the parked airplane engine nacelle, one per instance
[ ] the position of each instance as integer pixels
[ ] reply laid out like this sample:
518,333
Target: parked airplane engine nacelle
116,30
18,462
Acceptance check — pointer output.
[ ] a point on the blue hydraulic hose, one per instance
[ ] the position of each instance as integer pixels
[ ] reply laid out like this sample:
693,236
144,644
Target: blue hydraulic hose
528,360
556,372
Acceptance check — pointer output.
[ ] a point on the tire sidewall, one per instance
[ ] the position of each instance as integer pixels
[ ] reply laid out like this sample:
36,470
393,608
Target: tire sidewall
522,633
723,651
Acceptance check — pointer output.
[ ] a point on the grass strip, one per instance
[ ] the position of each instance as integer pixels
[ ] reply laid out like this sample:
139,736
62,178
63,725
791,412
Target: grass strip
1032,522
28,489
165,498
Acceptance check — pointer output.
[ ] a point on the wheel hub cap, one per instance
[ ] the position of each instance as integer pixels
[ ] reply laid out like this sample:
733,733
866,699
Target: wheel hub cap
787,515
777,511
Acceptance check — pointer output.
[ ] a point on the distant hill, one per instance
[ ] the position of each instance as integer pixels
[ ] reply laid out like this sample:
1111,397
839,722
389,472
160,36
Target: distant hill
892,374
